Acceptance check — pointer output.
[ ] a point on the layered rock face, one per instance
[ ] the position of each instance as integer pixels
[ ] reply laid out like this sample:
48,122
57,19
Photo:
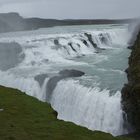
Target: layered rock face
131,91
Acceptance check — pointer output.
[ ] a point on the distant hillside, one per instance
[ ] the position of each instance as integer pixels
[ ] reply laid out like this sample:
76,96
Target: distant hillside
11,22
14,22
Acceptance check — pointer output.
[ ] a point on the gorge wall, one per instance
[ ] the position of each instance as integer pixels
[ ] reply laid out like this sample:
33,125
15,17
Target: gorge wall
131,91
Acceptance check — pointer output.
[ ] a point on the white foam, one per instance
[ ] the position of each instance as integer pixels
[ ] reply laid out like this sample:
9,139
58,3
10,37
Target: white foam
89,107
44,49
25,84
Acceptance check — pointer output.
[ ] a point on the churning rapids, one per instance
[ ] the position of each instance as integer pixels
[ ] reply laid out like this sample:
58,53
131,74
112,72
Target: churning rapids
37,62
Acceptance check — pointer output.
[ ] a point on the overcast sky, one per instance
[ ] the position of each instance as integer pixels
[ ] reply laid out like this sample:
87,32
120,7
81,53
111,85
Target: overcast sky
66,9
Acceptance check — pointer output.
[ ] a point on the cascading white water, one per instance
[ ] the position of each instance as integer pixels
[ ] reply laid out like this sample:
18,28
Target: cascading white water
64,46
90,107
93,100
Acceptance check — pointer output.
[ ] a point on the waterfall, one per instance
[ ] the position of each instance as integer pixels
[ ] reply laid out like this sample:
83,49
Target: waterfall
90,107
92,100
66,46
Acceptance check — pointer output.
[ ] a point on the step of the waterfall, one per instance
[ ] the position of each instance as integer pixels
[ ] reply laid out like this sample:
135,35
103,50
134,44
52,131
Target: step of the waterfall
89,107
60,47
31,61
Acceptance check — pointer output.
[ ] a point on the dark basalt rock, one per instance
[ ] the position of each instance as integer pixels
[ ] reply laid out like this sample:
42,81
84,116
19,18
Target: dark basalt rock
55,113
98,50
90,40
71,73
56,42
85,42
131,91
130,47
70,44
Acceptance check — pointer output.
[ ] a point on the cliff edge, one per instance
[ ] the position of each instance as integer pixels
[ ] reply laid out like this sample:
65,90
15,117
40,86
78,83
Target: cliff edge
131,91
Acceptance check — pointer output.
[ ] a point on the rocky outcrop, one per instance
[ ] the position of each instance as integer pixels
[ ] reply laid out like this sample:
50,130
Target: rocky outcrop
71,73
89,36
131,91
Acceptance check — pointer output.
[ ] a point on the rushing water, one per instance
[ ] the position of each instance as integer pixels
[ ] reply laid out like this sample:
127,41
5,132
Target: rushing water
30,61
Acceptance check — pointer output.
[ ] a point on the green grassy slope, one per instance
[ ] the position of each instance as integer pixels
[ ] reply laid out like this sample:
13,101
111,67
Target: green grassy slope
26,118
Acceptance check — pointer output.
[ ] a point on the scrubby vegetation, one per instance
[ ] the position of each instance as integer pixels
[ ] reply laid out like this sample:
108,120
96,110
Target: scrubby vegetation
25,118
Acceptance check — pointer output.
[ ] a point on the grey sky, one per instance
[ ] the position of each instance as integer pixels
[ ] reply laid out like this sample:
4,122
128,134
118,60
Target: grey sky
65,9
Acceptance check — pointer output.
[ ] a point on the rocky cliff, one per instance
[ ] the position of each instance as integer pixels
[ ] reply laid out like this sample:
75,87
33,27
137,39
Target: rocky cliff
131,91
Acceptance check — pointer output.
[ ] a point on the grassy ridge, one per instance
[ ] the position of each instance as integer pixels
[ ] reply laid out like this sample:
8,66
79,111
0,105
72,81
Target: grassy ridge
26,118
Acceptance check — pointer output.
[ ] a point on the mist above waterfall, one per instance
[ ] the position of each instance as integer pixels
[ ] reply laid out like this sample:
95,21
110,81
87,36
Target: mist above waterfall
134,28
